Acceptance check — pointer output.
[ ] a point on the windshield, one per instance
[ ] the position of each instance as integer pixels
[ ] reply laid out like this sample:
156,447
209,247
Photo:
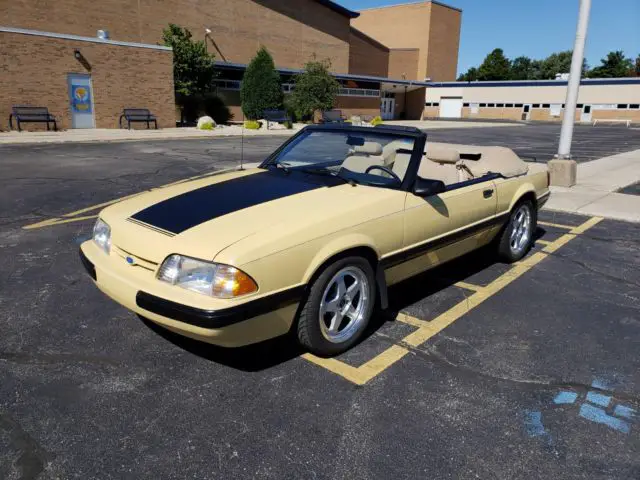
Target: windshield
368,158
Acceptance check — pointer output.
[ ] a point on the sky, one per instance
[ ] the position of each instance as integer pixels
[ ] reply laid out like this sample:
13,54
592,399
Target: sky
536,28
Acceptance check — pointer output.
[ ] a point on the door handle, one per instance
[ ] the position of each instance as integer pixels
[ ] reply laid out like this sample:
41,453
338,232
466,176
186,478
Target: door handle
488,193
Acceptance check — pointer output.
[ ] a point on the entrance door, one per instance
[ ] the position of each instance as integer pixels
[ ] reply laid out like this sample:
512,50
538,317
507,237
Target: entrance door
387,108
81,100
451,107
526,111
585,115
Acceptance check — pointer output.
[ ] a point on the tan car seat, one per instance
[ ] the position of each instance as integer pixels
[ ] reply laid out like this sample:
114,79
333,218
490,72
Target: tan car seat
364,156
440,164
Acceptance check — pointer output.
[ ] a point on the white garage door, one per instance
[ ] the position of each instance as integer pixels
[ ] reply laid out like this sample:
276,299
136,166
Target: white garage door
451,107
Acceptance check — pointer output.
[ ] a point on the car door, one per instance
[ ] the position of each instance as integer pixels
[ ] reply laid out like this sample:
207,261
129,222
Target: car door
441,227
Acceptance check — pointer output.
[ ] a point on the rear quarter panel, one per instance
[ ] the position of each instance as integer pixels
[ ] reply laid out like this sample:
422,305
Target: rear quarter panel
511,190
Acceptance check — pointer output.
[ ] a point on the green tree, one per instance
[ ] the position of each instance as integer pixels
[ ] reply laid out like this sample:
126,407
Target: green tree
193,68
261,86
614,65
523,68
495,66
637,66
559,62
470,76
315,89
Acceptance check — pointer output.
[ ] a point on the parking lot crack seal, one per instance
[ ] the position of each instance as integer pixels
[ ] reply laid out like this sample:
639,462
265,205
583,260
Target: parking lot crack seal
32,458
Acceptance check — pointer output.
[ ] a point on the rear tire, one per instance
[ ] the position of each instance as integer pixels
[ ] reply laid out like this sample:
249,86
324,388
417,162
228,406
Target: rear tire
338,308
516,237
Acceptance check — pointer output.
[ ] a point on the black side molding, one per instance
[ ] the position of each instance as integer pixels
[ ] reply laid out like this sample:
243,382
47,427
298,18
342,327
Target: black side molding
414,252
88,266
218,318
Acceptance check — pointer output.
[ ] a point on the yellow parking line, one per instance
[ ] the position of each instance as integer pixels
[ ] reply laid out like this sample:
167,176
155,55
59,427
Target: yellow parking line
427,329
556,225
57,221
469,286
543,242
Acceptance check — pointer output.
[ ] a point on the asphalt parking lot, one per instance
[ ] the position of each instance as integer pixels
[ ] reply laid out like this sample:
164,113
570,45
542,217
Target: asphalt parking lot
478,370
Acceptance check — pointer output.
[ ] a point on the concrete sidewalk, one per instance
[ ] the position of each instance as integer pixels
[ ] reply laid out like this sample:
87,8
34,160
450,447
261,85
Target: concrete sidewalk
597,187
123,135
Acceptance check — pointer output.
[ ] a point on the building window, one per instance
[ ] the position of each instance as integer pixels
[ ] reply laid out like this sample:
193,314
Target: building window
535,105
634,106
518,105
428,104
508,105
622,106
465,104
491,105
546,105
580,105
500,105
358,92
223,84
483,105
436,104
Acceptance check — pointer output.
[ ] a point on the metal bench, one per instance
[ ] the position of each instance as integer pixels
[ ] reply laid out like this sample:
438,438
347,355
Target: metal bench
28,114
275,116
332,116
612,120
137,115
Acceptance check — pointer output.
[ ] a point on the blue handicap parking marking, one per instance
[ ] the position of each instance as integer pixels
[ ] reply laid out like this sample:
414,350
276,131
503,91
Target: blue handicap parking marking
598,415
565,398
598,399
598,405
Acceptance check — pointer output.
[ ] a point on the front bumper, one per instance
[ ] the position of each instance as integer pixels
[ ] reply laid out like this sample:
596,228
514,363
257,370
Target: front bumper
178,310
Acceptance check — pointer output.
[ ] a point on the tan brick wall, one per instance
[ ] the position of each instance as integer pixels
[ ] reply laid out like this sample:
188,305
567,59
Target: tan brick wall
431,28
367,56
415,104
444,42
401,26
403,61
432,112
292,30
34,71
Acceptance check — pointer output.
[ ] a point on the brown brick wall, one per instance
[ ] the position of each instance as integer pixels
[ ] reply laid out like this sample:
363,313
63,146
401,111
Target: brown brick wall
34,71
403,61
358,106
367,56
444,42
415,104
292,30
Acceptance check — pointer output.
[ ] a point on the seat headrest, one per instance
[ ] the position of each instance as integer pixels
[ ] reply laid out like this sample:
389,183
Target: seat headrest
443,155
368,148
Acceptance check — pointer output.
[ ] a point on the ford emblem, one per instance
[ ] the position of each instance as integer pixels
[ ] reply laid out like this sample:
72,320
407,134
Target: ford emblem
130,260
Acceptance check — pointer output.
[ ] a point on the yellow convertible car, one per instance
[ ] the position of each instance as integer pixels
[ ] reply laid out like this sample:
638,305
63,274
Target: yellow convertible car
309,241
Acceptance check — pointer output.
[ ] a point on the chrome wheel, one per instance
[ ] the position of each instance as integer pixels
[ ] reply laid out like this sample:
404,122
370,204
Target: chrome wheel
520,230
344,304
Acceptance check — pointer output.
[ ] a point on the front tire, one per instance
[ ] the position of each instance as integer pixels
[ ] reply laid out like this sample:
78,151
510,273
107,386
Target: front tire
516,238
338,308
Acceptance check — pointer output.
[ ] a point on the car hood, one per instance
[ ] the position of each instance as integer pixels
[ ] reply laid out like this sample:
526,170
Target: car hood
200,218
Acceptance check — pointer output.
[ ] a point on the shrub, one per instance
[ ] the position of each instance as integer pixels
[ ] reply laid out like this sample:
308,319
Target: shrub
315,89
252,125
207,126
214,106
376,121
261,87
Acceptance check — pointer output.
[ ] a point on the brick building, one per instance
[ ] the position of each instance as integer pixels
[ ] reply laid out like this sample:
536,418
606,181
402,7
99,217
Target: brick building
87,62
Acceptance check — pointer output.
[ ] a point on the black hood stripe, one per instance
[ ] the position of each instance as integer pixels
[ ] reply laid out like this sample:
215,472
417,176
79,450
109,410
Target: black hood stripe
190,209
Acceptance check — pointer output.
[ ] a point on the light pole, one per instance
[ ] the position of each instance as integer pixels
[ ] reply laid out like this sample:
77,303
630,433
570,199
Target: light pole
563,170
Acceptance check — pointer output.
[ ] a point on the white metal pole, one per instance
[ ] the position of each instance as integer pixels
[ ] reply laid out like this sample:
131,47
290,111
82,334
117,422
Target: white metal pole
566,134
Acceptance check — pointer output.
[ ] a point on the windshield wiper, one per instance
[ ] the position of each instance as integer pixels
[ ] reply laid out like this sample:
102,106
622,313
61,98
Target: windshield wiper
326,172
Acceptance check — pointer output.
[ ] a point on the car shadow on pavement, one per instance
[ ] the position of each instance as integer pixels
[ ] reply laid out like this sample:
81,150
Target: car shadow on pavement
251,358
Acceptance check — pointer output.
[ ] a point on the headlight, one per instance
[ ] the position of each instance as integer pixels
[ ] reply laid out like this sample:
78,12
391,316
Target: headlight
102,235
213,279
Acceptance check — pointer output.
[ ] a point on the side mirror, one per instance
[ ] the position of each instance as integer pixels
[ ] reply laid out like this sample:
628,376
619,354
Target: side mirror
427,188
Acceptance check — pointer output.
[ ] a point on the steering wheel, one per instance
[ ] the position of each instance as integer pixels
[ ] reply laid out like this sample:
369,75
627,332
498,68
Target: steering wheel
385,170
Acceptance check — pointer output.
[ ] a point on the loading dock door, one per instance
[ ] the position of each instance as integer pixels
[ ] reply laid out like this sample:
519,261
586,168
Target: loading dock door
451,107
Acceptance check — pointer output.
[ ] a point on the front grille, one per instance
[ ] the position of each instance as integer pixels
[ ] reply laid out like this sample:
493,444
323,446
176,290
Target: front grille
137,261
